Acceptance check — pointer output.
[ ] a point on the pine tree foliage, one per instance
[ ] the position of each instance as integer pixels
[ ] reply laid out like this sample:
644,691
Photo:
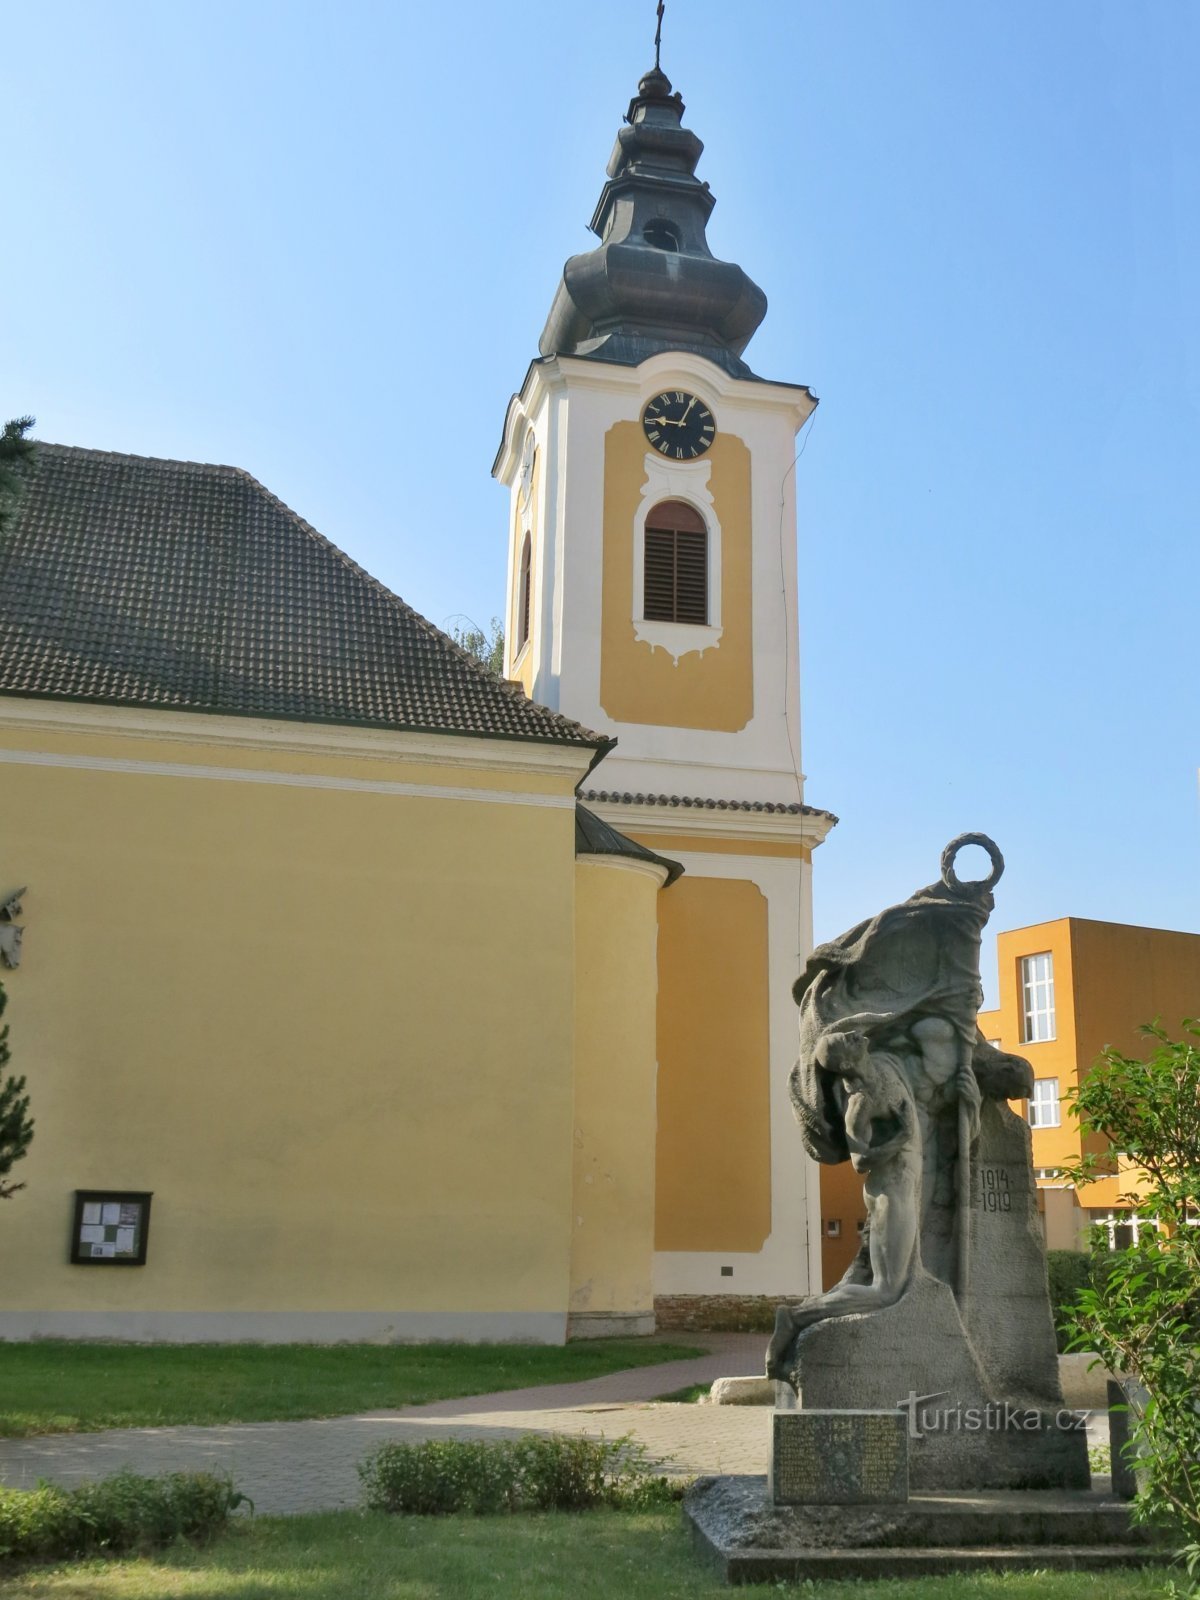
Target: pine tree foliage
16,462
16,1125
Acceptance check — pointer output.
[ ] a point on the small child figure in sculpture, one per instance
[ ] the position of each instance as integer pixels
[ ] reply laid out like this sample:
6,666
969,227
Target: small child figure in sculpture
883,1133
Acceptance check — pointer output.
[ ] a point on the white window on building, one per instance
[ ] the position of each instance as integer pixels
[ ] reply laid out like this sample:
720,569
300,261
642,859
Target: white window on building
1037,998
1123,1228
1043,1104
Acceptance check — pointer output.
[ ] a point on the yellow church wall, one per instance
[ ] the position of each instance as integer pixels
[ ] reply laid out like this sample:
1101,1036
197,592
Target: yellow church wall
612,1242
788,850
713,690
382,759
714,1137
297,1014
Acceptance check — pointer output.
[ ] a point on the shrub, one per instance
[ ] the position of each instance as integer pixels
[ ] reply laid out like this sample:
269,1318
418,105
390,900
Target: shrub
1141,1313
1069,1271
125,1512
530,1474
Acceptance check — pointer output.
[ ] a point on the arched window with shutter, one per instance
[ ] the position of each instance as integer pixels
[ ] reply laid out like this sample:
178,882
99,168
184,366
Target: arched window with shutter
524,593
675,587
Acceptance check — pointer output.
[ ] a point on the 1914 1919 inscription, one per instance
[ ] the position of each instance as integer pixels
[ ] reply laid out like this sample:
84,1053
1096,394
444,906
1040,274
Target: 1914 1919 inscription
995,1193
833,1458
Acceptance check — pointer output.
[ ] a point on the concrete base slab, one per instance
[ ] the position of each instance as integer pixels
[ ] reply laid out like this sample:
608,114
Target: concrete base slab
748,1539
610,1324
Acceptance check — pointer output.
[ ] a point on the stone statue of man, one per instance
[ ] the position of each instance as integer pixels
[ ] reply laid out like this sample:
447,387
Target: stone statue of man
883,1135
907,981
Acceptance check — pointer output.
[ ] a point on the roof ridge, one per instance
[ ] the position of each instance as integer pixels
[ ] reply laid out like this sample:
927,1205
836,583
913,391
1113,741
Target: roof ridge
129,455
793,808
492,682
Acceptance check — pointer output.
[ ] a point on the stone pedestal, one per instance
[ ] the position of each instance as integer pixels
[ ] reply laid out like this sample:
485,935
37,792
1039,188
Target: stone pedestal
979,1381
739,1530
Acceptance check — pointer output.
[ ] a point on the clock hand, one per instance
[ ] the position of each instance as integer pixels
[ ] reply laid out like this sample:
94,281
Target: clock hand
684,417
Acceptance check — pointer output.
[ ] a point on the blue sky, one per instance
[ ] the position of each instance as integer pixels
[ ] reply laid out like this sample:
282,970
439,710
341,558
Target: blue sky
321,242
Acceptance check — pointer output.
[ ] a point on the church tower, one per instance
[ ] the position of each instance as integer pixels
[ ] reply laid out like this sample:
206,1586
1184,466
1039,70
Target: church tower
652,594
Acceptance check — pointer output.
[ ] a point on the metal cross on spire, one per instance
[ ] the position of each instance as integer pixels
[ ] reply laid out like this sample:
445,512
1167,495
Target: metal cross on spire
658,35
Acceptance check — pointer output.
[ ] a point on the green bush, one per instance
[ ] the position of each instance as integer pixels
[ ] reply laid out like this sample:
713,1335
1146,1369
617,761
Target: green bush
1069,1271
530,1474
1141,1313
125,1512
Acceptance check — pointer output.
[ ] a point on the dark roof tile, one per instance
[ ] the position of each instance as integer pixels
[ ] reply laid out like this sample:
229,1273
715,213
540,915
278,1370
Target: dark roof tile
595,837
134,581
698,803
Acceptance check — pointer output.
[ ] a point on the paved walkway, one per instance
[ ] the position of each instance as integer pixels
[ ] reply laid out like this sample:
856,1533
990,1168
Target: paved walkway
310,1466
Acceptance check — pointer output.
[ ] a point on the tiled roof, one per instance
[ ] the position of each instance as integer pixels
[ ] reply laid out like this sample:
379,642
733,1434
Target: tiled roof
695,803
133,581
595,837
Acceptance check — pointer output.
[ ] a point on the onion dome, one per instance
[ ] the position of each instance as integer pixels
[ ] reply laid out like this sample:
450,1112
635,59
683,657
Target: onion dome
653,284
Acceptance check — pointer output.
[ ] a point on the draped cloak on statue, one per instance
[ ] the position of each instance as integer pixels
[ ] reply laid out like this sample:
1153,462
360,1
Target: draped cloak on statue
918,959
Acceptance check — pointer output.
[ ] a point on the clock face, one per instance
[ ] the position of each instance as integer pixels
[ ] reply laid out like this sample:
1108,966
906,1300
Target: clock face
678,425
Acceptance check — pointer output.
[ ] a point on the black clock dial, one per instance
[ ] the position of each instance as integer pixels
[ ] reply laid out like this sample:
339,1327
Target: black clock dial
678,425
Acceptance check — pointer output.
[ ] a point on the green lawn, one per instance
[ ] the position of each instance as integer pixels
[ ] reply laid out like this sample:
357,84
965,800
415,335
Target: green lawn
348,1556
52,1387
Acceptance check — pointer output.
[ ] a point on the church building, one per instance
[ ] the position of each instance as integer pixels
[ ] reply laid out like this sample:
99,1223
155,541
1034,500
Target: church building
364,995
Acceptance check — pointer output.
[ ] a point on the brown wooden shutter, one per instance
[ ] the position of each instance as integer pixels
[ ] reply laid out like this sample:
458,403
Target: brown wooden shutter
675,578
525,591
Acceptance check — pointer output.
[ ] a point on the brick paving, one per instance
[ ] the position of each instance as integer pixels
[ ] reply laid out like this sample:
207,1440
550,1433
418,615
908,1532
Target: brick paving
290,1467
310,1466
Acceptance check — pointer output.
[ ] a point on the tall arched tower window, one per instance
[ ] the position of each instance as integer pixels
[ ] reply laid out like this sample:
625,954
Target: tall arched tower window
524,591
676,564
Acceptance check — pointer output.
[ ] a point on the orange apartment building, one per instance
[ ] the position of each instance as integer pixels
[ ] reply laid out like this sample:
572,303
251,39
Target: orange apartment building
1068,989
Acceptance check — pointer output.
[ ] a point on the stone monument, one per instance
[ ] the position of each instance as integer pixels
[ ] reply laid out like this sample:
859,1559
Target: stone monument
945,1312
919,1423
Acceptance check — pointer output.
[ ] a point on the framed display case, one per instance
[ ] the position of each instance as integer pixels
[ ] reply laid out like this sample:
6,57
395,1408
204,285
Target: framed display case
111,1228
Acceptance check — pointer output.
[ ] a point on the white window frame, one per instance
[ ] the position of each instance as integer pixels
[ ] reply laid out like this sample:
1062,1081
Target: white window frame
1112,1220
1045,1110
686,481
1038,1023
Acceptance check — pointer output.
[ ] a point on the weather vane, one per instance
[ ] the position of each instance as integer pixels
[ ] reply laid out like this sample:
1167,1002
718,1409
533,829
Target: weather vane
658,36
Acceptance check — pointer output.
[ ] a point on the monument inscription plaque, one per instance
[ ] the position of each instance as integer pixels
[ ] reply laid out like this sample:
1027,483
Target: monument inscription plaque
838,1458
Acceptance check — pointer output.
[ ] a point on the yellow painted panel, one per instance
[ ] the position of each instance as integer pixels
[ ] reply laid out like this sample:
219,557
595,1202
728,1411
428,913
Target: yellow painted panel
1108,978
714,1135
842,1202
612,1249
1129,976
640,684
295,1016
